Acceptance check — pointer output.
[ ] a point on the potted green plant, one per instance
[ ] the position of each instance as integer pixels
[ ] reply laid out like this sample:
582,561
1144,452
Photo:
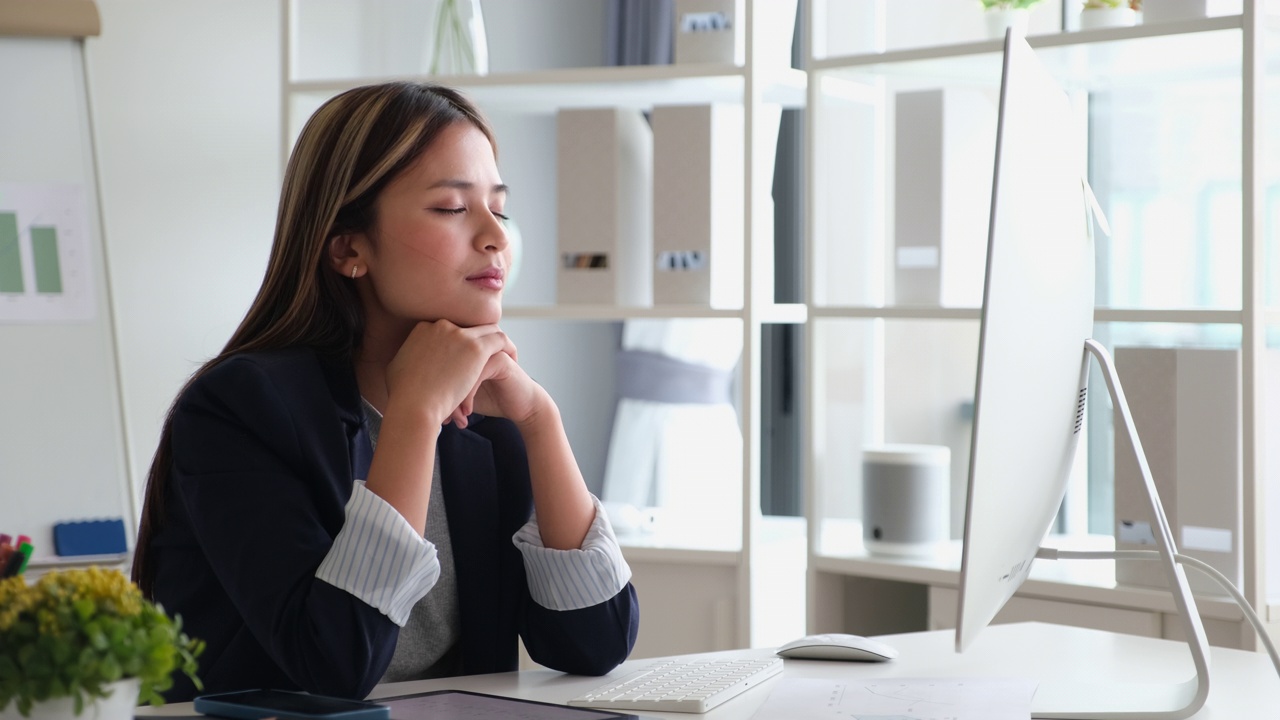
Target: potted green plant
1109,13
1001,14
86,642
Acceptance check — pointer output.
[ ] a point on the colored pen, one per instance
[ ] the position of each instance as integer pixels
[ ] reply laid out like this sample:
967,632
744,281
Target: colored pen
10,568
25,549
5,539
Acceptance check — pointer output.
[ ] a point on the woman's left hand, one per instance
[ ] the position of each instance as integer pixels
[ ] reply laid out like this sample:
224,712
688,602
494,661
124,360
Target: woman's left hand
505,390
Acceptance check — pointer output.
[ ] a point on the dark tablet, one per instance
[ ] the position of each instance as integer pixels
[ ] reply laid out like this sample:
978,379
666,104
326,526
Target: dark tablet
463,705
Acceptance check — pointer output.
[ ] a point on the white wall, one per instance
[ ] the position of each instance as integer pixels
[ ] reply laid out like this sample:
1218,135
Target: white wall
186,108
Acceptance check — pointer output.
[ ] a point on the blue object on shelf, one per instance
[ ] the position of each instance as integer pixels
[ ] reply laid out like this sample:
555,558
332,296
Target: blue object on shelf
89,537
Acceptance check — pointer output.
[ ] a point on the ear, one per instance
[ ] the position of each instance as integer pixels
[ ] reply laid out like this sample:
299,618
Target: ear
346,255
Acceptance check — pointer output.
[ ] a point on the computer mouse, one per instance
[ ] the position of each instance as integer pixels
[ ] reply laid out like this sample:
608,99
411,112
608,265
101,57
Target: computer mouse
838,646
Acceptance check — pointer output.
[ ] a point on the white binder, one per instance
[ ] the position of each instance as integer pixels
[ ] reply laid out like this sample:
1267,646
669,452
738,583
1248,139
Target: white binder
1186,404
697,202
944,153
604,200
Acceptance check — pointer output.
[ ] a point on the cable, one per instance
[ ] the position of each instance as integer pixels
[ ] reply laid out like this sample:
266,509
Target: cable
1245,607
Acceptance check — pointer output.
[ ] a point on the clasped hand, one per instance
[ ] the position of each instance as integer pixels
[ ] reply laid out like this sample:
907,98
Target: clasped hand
453,371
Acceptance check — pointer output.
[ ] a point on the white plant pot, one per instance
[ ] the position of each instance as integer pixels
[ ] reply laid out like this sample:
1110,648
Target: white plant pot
118,706
1000,19
1091,18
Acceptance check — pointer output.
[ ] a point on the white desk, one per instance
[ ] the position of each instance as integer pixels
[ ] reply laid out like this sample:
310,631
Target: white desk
1242,684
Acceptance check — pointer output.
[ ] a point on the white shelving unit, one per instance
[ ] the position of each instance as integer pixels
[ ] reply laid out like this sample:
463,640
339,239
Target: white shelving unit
698,588
857,331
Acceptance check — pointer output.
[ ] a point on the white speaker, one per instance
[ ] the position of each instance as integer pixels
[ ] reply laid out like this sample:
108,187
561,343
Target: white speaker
906,499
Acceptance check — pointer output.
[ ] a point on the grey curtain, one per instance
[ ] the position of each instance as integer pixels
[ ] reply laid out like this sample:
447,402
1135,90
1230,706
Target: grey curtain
639,32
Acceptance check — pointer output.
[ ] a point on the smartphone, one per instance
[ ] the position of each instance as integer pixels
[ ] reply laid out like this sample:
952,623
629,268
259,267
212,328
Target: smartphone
287,705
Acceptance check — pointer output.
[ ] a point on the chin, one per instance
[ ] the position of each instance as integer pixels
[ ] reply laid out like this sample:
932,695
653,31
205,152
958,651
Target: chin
472,319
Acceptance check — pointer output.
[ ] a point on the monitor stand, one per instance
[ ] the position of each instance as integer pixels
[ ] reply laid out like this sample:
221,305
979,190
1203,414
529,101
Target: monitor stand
1080,701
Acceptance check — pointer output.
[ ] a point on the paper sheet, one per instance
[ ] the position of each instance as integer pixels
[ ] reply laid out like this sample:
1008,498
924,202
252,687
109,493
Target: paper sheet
46,246
899,699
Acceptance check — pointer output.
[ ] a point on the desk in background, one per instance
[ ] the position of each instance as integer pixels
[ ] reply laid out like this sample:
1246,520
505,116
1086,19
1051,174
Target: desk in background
1242,684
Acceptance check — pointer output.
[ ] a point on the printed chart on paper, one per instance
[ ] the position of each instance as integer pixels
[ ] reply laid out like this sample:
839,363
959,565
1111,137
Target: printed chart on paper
46,270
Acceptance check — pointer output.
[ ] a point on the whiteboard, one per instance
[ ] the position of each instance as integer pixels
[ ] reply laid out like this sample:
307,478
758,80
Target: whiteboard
62,444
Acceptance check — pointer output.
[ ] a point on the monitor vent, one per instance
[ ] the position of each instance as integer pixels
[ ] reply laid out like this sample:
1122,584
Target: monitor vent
1080,398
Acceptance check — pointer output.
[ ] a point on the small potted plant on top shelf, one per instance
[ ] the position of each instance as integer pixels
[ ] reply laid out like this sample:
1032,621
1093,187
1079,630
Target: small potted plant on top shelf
85,643
1001,14
1109,13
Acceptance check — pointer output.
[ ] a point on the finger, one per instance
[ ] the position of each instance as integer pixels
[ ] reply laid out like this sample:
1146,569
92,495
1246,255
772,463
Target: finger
492,339
469,402
510,348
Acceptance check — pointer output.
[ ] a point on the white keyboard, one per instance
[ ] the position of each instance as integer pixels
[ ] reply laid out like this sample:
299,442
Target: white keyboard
693,686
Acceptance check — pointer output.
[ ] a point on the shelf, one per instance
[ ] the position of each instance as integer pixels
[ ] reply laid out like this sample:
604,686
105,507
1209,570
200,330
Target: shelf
780,313
1191,317
1066,580
677,556
690,541
637,86
613,313
902,312
1180,52
783,314
1175,280
684,536
1101,315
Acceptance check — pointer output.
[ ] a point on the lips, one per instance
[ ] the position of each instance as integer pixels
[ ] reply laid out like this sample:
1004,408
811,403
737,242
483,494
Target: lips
489,278
488,273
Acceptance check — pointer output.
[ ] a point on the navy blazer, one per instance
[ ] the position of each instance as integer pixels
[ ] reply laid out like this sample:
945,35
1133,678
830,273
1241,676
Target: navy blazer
265,449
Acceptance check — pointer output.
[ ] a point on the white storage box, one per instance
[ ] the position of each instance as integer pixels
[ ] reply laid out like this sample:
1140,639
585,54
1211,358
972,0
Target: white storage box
604,203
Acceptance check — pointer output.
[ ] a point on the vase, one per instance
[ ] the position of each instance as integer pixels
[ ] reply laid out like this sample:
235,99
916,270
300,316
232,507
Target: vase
998,19
1091,18
119,705
456,43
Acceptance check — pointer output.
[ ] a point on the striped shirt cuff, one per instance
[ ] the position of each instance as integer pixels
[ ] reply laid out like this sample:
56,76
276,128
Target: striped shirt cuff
379,557
574,579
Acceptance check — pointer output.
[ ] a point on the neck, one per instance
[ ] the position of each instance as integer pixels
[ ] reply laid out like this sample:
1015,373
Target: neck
378,347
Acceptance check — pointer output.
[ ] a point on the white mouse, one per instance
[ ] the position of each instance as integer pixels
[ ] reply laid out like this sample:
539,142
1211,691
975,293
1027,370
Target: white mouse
838,646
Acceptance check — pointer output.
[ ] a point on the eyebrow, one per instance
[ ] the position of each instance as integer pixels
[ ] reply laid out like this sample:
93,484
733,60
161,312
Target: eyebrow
465,185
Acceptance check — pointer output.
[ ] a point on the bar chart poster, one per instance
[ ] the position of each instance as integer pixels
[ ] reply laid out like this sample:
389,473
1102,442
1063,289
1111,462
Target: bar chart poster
46,271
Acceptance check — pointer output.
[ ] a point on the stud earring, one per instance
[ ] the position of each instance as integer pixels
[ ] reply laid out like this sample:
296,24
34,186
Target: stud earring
353,271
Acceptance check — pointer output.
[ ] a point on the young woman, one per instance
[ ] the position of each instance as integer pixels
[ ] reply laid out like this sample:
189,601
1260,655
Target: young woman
364,485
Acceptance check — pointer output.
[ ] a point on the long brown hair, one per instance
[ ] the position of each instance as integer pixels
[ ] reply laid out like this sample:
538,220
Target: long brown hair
347,152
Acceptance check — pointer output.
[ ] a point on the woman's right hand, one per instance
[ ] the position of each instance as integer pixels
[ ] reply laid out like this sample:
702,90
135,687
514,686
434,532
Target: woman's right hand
438,367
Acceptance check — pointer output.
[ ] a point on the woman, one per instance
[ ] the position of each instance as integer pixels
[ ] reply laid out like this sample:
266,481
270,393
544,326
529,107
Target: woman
324,508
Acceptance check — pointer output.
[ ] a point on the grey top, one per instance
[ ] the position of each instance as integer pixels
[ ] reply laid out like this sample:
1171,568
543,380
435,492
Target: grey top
425,648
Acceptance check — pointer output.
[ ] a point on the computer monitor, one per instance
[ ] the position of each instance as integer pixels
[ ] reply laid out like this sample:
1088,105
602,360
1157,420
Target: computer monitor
1032,382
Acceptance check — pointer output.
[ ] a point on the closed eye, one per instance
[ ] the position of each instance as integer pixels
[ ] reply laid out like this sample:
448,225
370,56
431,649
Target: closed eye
460,210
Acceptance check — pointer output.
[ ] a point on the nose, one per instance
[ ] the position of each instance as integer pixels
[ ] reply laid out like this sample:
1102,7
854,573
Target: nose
493,234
